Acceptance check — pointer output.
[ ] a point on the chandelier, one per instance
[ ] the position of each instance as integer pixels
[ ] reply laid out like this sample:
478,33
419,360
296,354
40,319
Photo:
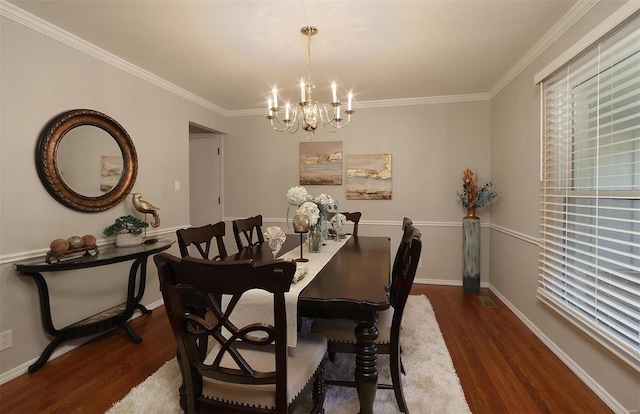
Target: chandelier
307,114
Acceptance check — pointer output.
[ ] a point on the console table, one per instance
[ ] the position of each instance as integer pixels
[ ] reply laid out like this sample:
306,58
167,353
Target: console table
103,321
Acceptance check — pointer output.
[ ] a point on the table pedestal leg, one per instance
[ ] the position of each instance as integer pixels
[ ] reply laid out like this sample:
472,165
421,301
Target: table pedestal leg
366,366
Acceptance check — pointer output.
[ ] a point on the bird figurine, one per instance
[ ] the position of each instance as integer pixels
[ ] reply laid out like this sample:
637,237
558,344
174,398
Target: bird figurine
146,208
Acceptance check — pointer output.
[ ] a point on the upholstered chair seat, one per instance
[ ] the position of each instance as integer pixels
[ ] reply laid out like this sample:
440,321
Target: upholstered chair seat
303,361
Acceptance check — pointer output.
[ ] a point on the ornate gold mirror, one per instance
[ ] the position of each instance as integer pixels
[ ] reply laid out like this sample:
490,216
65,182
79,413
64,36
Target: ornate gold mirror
86,160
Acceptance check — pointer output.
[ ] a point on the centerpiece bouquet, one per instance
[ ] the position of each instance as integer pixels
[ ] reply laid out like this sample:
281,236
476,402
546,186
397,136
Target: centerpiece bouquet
315,209
472,196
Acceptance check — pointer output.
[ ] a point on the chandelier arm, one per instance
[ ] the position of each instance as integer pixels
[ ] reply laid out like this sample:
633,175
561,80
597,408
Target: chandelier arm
275,127
286,126
329,130
336,125
295,122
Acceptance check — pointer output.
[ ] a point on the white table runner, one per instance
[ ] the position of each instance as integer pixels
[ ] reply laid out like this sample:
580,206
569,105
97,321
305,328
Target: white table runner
257,305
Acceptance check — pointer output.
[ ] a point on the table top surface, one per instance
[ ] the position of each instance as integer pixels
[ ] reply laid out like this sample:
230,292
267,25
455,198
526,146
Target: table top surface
106,254
355,277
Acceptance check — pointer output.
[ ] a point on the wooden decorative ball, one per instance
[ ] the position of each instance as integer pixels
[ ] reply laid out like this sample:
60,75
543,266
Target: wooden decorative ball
89,240
75,242
59,246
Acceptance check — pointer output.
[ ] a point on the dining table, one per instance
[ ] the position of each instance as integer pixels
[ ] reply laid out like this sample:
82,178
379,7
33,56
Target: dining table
353,285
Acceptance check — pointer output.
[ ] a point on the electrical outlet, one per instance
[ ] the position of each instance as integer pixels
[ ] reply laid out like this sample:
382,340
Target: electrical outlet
420,262
6,340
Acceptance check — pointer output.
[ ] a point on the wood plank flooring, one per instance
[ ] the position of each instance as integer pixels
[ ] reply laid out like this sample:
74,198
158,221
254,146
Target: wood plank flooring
503,367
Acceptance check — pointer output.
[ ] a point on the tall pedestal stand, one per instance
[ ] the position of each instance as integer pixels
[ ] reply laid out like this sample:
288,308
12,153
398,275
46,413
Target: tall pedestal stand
471,252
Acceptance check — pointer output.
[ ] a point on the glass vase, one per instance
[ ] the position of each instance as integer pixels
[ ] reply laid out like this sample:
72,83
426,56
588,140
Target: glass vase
324,225
315,238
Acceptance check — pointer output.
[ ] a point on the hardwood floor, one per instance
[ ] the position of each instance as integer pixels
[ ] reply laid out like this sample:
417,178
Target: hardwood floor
503,367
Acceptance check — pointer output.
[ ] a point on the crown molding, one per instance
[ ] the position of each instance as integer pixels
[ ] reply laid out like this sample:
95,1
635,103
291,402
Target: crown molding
42,26
564,24
610,23
387,103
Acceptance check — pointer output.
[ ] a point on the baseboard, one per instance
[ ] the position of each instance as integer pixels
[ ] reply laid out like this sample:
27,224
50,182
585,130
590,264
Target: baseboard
444,282
573,366
63,349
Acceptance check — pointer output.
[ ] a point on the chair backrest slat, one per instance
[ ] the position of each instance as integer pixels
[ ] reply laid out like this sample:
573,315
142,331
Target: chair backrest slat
246,229
201,238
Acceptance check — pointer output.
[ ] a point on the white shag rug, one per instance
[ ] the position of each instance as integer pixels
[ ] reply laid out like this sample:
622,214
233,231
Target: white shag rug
430,386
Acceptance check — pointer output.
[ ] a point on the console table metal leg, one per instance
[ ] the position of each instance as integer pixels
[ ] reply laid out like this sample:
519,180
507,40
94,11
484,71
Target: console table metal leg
143,309
44,357
366,366
133,337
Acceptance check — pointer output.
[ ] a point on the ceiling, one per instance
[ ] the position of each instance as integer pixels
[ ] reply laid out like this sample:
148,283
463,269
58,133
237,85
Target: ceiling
231,53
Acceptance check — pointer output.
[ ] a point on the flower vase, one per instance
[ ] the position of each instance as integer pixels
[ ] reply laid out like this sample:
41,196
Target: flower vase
471,251
315,238
324,224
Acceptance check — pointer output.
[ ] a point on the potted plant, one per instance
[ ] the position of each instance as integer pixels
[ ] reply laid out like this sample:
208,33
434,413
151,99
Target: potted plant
127,229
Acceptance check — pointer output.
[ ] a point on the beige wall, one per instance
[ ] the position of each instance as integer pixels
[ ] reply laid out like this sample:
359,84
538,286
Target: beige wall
40,78
515,137
430,146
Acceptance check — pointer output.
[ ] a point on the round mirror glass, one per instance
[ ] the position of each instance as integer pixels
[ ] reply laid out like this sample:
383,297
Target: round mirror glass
89,161
86,160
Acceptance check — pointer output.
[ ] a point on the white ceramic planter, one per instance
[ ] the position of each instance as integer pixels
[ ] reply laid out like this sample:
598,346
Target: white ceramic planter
128,239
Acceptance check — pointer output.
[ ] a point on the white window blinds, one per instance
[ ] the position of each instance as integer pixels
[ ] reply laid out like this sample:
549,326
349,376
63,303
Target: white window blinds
590,207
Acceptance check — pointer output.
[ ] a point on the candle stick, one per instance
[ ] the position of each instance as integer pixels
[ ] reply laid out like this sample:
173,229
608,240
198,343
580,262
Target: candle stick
269,102
286,116
334,92
302,97
275,97
350,97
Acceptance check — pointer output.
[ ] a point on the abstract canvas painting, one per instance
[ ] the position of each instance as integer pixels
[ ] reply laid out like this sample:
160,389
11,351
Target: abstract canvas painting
321,163
369,177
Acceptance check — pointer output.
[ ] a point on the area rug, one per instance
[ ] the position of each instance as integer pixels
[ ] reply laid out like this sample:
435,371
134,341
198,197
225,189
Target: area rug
430,386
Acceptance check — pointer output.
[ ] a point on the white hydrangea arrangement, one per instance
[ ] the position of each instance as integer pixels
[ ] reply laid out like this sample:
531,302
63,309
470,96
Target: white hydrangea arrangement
311,210
309,206
296,196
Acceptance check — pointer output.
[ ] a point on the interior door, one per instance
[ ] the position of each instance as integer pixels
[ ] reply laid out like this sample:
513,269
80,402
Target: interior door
204,178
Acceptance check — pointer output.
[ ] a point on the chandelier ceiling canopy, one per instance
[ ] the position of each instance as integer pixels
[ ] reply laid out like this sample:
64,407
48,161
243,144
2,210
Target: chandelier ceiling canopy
308,114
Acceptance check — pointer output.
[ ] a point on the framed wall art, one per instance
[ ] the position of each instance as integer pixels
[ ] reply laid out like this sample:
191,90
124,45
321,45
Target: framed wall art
369,177
321,163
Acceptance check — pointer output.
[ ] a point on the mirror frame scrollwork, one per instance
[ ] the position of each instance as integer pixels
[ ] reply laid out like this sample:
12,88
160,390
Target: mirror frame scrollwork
47,166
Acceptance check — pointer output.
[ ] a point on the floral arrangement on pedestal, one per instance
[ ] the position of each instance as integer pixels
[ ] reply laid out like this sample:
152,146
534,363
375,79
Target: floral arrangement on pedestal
316,209
472,196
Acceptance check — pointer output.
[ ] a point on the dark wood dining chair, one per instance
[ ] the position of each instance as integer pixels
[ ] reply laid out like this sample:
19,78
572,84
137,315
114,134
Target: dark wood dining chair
340,334
249,368
244,231
201,238
352,217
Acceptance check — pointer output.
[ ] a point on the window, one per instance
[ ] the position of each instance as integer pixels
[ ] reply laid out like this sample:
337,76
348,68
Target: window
590,207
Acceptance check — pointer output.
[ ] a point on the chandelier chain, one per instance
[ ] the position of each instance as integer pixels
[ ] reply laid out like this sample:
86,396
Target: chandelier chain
309,61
